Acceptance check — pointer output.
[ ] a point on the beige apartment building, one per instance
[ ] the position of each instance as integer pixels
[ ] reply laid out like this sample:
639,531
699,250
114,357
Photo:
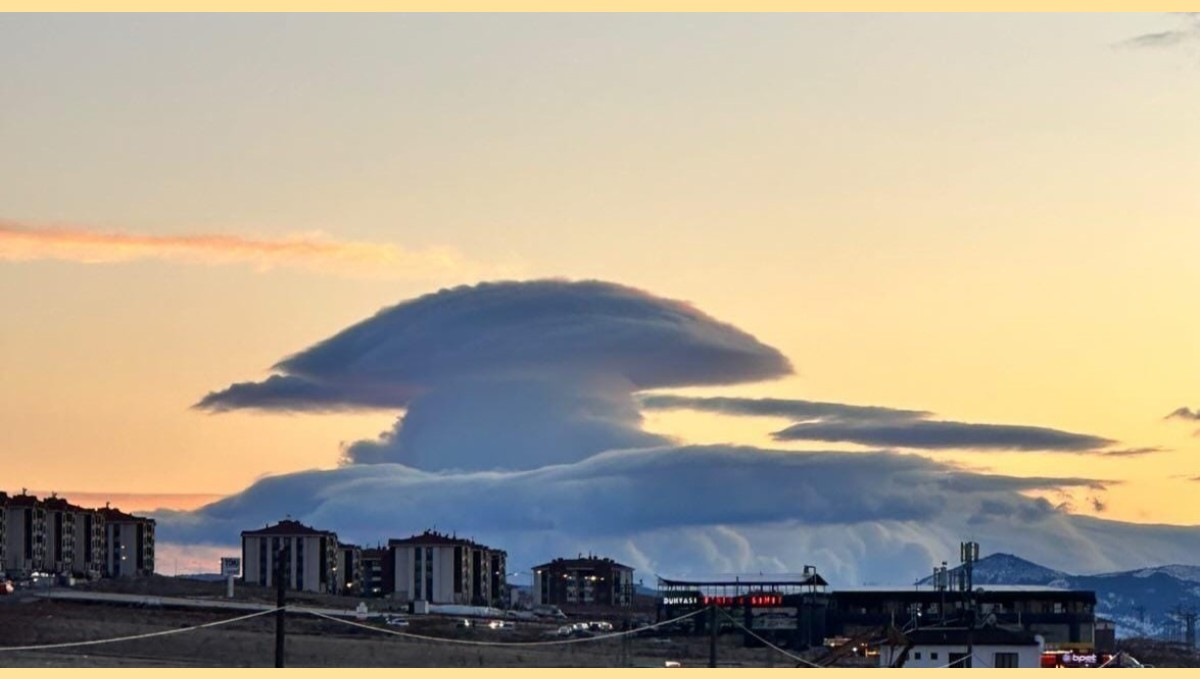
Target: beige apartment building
307,557
445,569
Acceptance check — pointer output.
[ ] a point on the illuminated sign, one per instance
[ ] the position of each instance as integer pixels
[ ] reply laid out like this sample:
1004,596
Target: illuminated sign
1073,659
748,600
760,600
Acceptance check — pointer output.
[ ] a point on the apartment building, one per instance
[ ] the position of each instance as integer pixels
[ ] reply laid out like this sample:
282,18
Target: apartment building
89,561
446,569
60,535
24,535
349,569
582,582
306,557
128,544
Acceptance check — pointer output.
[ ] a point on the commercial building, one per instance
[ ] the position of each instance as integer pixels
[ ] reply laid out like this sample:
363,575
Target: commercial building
787,609
128,544
306,557
583,582
445,569
1063,618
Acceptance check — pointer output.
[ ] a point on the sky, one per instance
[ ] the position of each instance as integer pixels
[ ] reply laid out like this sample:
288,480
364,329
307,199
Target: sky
983,219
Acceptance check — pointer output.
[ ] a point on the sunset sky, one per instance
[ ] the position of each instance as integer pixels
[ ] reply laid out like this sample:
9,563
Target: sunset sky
994,219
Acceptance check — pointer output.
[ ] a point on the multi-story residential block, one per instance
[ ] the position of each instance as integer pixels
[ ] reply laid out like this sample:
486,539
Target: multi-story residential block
445,569
306,557
60,535
581,582
89,544
25,535
128,544
349,569
377,572
3,532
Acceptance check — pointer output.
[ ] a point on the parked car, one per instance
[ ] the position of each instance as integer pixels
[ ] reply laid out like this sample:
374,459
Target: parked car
396,622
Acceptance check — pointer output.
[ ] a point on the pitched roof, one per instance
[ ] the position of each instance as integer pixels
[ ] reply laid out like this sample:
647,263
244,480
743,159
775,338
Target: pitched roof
23,500
431,537
812,579
289,527
582,562
114,515
58,504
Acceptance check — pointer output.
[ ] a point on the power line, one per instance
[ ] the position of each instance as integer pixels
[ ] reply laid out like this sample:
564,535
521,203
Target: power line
148,635
760,638
471,642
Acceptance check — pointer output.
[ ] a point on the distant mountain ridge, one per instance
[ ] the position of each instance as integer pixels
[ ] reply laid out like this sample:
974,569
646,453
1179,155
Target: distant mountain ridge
1006,569
1142,602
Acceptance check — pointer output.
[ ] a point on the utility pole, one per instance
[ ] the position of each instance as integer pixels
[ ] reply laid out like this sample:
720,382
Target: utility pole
712,636
969,552
281,559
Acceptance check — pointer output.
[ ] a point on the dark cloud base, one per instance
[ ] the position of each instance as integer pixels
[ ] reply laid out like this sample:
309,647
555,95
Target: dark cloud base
704,509
887,427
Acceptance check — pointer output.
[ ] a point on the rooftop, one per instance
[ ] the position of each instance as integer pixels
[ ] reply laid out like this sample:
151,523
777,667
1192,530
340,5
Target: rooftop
432,537
745,580
114,515
582,562
288,527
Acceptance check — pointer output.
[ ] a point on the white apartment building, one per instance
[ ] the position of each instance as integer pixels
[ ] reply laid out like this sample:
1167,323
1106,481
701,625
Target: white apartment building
444,569
308,558
128,544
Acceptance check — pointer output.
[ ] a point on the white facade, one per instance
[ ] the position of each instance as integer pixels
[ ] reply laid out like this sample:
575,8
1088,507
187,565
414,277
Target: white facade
442,569
89,544
426,573
938,656
310,557
25,537
128,547
60,536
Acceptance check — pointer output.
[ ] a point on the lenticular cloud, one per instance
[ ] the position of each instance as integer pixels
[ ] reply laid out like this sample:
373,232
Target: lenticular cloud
521,425
509,375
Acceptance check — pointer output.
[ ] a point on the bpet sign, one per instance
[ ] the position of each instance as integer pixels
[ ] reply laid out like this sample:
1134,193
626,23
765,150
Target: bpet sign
1070,659
231,565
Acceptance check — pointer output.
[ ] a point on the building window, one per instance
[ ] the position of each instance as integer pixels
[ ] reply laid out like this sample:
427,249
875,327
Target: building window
917,655
429,574
1006,660
933,655
300,563
262,561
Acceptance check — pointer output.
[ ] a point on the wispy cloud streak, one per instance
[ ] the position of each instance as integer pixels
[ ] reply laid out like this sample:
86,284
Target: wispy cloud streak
23,242
1188,31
